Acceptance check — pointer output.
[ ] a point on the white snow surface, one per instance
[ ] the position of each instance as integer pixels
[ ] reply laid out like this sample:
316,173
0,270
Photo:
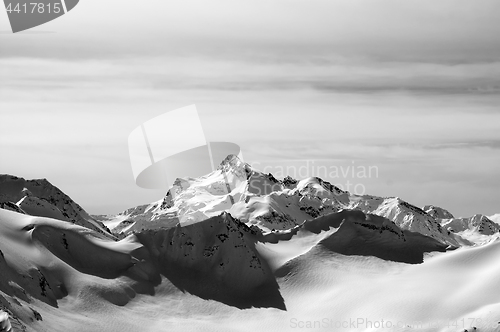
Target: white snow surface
74,279
495,218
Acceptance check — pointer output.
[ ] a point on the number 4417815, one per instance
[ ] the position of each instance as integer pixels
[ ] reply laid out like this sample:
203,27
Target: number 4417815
35,7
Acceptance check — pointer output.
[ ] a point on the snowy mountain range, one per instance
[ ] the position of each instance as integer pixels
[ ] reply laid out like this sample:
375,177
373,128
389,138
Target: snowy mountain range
272,205
235,239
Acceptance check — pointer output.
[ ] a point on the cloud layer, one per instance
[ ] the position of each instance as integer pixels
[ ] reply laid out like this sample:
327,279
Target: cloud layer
412,87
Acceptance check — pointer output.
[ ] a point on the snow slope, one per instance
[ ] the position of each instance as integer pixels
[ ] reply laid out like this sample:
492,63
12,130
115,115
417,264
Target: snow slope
336,268
44,262
495,218
355,234
239,250
437,212
41,198
405,215
324,290
477,229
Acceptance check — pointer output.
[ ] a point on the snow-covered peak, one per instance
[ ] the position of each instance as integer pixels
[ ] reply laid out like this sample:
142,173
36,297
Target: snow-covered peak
477,229
495,218
232,161
40,198
263,201
437,212
318,187
406,216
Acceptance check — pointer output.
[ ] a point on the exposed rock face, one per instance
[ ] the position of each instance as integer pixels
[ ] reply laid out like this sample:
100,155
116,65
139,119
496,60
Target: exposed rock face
262,200
406,216
11,207
220,258
437,212
365,235
478,223
41,198
4,322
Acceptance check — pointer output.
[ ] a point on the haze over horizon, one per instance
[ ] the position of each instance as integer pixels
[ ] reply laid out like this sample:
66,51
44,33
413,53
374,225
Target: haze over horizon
411,88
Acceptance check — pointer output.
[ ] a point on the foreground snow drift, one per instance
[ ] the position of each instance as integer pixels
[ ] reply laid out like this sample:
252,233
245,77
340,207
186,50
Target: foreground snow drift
46,261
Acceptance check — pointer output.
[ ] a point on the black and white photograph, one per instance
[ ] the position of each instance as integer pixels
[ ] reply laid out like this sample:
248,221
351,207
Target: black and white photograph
250,166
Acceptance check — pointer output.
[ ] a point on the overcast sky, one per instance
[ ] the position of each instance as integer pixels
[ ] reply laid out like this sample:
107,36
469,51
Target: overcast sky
409,87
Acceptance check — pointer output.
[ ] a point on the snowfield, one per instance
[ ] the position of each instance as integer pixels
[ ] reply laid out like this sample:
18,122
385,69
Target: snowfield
239,250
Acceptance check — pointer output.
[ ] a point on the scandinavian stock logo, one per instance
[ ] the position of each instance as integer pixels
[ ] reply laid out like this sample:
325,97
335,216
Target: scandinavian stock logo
173,145
25,15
